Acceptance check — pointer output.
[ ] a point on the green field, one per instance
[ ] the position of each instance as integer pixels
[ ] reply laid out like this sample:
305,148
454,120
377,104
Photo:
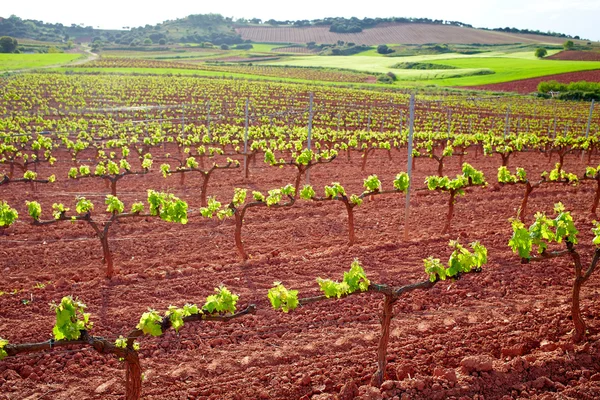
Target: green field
510,69
506,67
13,62
266,47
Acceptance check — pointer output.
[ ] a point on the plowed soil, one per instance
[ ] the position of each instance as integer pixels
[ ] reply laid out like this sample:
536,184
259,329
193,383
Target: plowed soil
512,318
576,55
525,86
404,33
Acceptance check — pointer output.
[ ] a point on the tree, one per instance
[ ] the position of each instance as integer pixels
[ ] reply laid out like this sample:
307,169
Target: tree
541,52
568,45
383,49
8,44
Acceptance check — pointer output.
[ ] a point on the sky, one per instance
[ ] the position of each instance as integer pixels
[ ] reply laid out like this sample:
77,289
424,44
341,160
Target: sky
573,17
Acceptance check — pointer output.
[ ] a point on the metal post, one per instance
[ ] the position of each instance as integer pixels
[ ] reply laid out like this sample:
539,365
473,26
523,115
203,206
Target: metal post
147,121
589,123
182,119
208,118
310,121
507,123
409,167
369,121
449,121
587,130
246,140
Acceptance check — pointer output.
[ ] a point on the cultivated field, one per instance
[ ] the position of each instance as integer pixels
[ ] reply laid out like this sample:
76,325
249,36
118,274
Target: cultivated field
487,323
497,67
526,86
12,62
576,55
390,33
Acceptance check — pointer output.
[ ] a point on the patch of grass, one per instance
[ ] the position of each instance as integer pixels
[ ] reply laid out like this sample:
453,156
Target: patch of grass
369,53
376,65
510,69
266,47
12,62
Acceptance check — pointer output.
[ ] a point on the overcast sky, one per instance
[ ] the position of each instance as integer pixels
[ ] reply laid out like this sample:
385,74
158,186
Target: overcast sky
574,17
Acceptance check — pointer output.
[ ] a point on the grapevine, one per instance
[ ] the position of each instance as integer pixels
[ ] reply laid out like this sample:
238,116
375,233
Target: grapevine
372,185
540,235
355,281
455,187
164,205
8,215
73,324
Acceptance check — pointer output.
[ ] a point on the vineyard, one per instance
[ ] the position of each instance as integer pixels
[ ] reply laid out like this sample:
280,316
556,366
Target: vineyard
214,238
314,74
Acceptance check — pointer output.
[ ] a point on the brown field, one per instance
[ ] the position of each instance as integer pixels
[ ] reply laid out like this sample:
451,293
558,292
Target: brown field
576,55
390,33
525,86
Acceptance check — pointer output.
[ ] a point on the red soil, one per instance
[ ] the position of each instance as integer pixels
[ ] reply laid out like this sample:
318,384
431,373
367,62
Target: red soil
576,55
525,86
516,316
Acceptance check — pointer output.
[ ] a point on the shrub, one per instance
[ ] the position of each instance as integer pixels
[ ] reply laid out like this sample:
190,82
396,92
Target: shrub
568,45
245,46
384,78
384,49
541,52
551,86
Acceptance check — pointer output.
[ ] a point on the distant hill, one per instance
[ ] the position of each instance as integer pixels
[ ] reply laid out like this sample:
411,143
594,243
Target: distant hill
216,29
396,33
199,28
39,30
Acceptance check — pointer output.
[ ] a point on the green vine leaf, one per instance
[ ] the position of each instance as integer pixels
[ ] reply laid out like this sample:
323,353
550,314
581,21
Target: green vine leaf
282,298
71,319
